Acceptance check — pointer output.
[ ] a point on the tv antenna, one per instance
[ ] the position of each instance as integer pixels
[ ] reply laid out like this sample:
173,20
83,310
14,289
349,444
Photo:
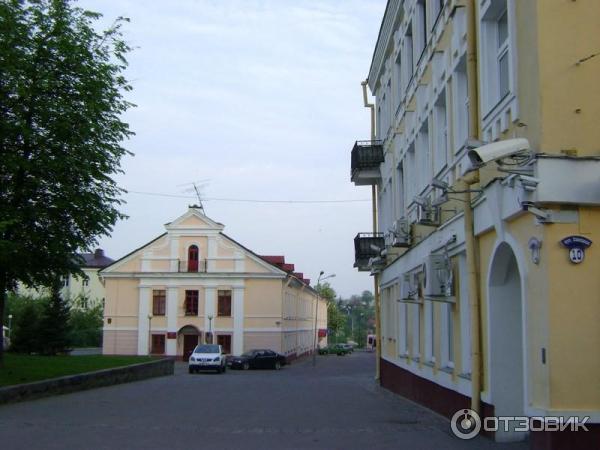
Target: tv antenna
196,187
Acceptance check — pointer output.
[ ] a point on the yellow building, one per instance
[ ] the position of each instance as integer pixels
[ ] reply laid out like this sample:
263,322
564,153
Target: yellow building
195,284
82,292
486,162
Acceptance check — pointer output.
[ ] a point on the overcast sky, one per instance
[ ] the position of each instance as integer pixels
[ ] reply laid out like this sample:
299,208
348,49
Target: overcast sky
262,101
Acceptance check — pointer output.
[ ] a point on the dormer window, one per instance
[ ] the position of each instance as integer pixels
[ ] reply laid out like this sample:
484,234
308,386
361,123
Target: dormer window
192,258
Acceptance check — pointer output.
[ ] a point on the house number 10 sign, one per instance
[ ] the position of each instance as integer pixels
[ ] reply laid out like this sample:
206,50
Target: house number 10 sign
576,246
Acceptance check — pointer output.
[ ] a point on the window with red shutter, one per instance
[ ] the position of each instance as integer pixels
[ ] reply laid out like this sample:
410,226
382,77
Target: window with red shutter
193,258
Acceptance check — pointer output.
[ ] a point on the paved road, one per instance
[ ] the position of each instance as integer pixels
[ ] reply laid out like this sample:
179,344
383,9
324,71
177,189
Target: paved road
333,406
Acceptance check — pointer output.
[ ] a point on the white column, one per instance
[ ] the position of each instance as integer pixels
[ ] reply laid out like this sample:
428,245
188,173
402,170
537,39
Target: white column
143,311
211,263
238,321
172,304
209,308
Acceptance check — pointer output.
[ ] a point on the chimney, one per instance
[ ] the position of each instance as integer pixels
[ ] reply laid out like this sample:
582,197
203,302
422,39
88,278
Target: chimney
99,253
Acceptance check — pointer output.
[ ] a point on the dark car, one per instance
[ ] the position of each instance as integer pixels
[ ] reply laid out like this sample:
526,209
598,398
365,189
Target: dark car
257,359
336,349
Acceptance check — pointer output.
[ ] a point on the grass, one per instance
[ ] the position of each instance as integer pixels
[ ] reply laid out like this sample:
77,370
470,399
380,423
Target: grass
26,369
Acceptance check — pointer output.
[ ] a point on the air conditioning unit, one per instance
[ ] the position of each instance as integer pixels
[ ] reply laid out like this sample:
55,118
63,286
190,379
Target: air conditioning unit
439,276
401,233
409,288
428,215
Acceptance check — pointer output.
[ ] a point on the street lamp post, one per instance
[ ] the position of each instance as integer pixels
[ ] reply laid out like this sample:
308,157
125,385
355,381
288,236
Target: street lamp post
149,334
321,278
210,318
10,316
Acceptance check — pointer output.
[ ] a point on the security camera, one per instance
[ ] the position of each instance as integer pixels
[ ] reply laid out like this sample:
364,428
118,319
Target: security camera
497,151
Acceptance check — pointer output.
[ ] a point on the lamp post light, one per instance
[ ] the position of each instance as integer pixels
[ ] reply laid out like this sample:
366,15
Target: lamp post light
10,316
149,334
210,318
315,343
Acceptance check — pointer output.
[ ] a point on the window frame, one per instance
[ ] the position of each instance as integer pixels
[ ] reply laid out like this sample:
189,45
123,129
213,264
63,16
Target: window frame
191,296
159,302
222,297
163,344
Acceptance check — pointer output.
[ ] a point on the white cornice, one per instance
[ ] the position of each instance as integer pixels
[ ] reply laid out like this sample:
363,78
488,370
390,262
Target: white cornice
393,12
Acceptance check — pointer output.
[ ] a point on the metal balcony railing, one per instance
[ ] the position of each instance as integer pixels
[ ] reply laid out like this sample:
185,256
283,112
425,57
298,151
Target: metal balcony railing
366,155
367,246
192,266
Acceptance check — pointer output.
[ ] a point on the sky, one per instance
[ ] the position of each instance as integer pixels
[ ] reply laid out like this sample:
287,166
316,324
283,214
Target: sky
252,100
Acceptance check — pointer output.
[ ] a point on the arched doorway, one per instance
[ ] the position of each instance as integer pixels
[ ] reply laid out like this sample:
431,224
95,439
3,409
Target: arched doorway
506,339
189,336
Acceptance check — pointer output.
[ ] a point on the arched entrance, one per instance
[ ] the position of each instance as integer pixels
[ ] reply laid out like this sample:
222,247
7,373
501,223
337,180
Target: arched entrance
506,339
188,337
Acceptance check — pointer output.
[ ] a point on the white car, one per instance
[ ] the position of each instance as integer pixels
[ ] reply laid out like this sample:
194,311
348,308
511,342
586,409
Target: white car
207,357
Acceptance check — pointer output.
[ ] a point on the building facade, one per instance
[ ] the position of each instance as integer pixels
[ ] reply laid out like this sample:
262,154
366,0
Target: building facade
194,284
82,292
490,295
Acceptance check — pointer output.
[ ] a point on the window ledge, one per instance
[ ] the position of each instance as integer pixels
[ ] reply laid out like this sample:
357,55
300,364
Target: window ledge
447,369
466,376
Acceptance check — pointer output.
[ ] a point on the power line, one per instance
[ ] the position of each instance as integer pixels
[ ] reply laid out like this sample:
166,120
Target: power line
245,200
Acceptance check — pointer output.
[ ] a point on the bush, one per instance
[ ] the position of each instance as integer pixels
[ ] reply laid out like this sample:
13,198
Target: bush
86,327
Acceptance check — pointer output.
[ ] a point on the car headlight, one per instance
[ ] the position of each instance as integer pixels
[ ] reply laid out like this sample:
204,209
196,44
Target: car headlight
216,359
192,359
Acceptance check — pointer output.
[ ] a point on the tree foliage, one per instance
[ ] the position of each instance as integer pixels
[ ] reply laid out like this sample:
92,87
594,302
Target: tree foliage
86,327
54,327
61,98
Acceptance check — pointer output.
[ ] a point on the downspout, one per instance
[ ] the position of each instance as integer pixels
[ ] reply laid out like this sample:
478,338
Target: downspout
470,240
371,106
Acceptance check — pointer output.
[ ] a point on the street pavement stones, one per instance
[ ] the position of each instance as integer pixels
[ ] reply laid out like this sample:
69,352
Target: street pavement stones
335,405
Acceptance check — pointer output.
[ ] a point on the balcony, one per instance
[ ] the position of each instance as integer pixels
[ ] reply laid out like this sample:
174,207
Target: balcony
192,266
366,157
367,246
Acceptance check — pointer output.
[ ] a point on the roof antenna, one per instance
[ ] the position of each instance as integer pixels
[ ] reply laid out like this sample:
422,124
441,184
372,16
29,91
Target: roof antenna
196,187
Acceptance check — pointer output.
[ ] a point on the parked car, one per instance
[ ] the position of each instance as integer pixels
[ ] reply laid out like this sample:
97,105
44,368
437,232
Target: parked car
207,357
336,349
257,359
348,347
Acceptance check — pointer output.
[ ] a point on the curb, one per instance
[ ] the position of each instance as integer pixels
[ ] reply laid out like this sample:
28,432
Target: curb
87,380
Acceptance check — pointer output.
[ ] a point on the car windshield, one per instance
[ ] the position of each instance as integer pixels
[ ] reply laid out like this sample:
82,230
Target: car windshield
207,349
250,353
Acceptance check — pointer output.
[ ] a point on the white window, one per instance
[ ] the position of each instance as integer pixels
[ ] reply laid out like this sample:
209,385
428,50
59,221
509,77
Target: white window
400,191
495,54
423,158
403,329
410,174
408,52
436,9
379,128
447,335
461,105
416,330
429,331
440,126
421,32
399,80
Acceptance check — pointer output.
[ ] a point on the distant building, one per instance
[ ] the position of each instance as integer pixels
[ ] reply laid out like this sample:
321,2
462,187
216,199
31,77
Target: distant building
81,292
195,284
489,295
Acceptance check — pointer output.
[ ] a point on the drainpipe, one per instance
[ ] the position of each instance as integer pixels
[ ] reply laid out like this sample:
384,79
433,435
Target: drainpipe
371,106
466,183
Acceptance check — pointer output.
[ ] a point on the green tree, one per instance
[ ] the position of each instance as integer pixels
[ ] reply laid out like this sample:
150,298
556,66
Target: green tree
25,335
54,325
336,320
61,98
86,327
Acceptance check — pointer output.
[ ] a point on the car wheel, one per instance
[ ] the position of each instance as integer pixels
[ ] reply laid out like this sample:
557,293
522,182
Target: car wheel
277,365
246,366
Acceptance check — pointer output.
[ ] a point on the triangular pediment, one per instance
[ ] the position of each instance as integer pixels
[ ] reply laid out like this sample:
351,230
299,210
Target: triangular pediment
194,219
